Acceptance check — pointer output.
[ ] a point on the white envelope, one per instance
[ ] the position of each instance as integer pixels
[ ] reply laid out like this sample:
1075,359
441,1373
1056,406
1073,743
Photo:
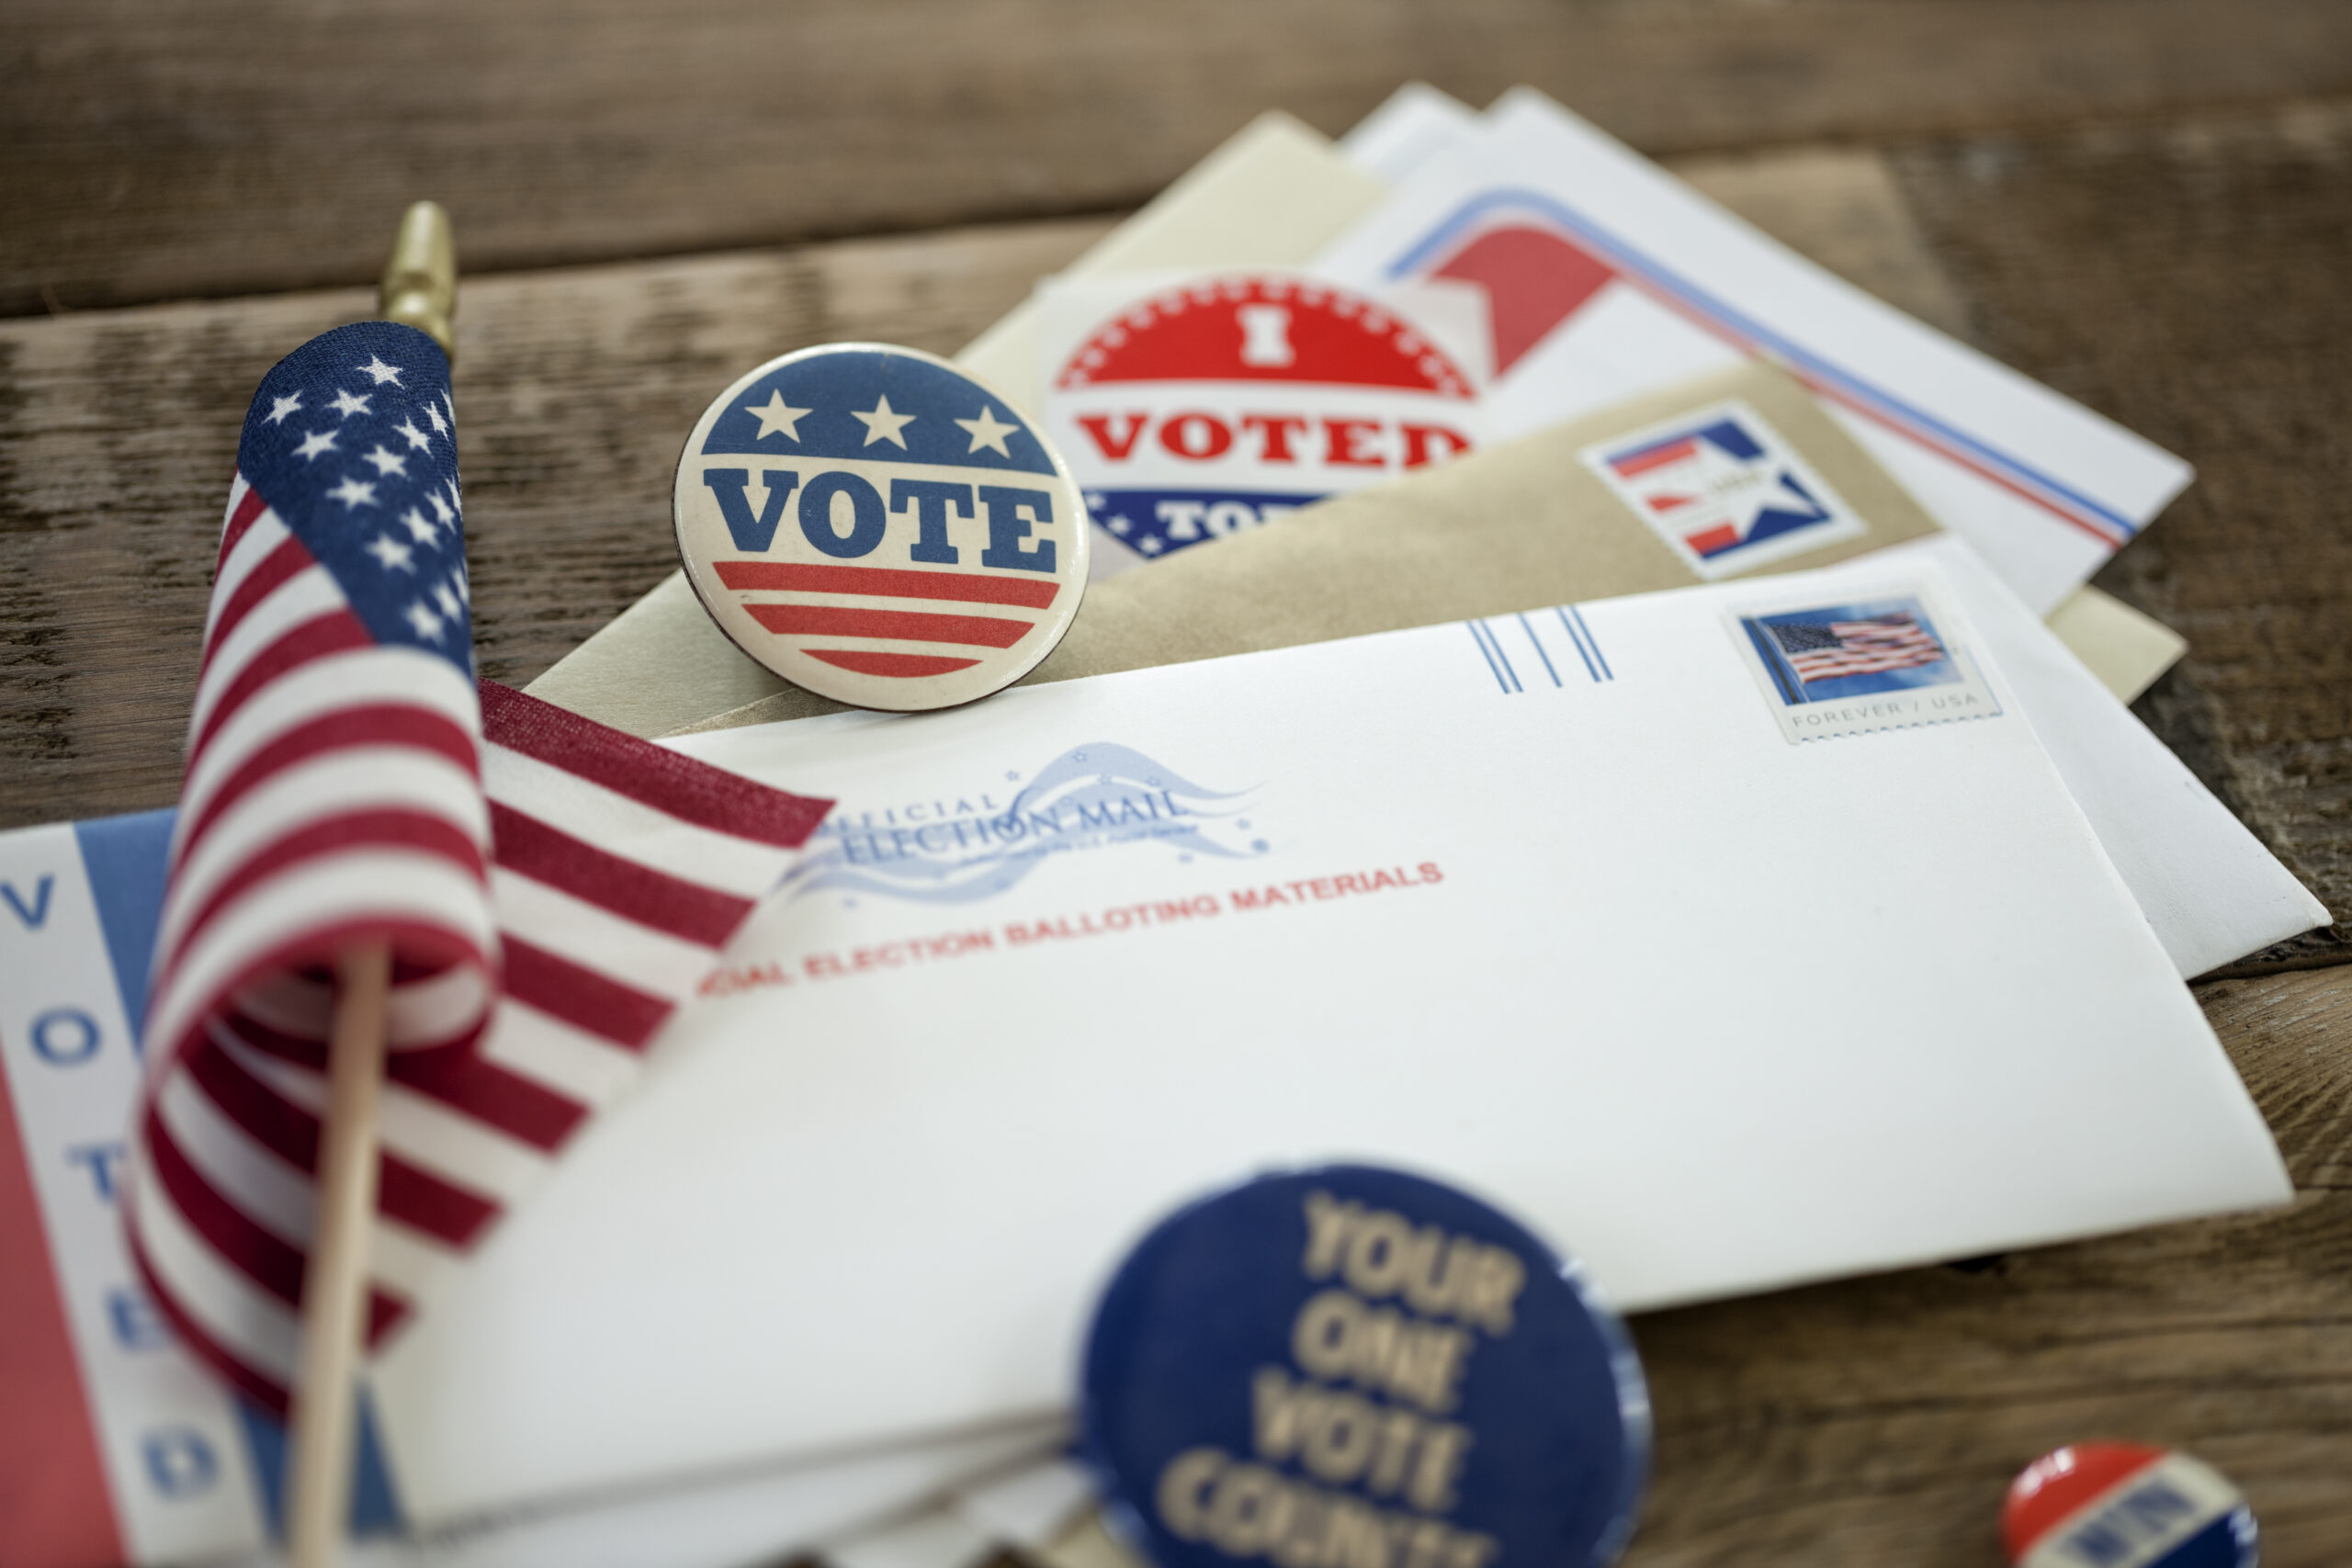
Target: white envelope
1717,1009
1631,280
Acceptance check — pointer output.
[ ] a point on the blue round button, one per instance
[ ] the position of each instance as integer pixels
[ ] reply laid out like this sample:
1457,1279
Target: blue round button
1352,1367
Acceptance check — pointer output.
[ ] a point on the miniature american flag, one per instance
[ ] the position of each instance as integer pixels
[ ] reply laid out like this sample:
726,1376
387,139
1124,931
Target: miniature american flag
551,890
1826,650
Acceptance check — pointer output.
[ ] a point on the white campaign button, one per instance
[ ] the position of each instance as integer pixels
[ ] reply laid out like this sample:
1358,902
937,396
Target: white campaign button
878,526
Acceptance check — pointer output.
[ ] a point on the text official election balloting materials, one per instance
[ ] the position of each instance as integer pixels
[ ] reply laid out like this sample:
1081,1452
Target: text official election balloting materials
872,524
1731,1011
1351,1364
2124,1506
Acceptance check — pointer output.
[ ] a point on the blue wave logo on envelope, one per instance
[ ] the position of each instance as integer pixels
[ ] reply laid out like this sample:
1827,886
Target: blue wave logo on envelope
1724,490
1093,797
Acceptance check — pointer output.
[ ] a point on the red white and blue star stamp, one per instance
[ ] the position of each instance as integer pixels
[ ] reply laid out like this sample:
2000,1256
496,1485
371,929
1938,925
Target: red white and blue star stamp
1724,490
879,526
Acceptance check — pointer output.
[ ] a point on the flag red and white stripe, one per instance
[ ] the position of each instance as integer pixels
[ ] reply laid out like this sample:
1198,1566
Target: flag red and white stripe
551,890
1868,648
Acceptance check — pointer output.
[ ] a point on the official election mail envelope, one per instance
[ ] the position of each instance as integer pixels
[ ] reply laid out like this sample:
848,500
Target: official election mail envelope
1530,522
1736,936
143,1456
1608,277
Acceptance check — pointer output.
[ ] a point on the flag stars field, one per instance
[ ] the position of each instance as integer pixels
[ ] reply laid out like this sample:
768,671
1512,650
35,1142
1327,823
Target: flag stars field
318,441
419,528
280,407
353,492
418,441
379,371
349,403
386,461
392,553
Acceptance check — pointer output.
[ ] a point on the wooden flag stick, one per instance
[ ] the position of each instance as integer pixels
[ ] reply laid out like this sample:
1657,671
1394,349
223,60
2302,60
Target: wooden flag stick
419,288
334,1284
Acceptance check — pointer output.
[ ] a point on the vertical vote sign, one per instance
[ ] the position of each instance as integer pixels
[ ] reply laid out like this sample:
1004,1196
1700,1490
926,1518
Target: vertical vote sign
1201,407
124,1449
1358,1368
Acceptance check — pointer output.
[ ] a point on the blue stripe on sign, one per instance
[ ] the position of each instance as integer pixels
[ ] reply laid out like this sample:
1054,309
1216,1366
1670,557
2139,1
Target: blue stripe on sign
1582,652
1606,673
124,858
1918,424
1492,667
1546,658
375,1503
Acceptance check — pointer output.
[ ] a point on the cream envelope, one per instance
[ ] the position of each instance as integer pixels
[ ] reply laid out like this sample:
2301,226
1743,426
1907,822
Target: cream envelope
1550,903
1611,277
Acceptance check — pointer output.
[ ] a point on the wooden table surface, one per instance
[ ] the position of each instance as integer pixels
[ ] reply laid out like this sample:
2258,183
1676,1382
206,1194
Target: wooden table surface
2147,205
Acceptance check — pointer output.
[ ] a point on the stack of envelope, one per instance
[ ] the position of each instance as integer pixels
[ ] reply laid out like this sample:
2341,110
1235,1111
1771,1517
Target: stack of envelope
1740,904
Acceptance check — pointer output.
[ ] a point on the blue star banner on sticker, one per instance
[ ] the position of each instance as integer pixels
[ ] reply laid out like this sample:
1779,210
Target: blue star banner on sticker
889,406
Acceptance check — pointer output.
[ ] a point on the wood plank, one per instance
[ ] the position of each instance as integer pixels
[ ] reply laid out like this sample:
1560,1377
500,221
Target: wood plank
1876,1421
227,146
2189,281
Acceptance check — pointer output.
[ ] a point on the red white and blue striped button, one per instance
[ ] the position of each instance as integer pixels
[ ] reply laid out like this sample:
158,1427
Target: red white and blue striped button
879,526
2122,1505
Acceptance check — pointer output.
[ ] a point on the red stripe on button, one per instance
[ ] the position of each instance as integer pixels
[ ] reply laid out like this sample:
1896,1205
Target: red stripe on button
803,577
899,665
823,620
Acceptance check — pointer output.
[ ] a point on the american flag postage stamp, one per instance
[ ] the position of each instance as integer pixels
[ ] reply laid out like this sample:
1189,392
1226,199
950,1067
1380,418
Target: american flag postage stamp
1724,490
1849,669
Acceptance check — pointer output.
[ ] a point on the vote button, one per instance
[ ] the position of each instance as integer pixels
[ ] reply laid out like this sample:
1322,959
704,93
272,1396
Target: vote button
1353,1367
2123,1506
878,526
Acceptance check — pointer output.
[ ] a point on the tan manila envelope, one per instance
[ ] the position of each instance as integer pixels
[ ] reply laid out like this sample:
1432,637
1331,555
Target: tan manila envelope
1519,526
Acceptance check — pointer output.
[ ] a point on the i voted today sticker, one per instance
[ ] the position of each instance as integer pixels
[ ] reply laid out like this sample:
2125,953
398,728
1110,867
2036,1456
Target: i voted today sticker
1353,1367
1202,408
880,527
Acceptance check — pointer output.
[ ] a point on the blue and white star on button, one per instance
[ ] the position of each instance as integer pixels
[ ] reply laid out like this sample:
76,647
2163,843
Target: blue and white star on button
777,418
882,425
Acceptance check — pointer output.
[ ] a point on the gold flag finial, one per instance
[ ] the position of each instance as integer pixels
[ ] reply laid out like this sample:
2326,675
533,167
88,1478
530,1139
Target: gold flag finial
420,286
